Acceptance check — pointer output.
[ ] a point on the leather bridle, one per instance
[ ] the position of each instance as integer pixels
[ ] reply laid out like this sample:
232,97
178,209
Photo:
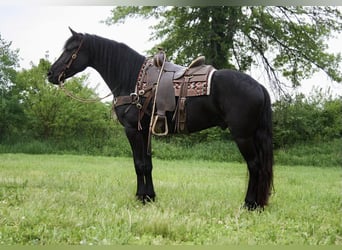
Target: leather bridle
73,57
61,79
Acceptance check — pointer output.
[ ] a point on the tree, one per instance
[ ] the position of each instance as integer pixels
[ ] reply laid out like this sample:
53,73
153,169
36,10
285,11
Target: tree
8,64
290,41
41,101
53,115
11,112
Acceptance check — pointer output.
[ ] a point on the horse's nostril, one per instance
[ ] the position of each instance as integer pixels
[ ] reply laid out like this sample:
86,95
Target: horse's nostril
49,73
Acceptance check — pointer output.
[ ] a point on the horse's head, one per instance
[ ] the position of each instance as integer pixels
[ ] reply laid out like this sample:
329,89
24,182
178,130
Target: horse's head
74,59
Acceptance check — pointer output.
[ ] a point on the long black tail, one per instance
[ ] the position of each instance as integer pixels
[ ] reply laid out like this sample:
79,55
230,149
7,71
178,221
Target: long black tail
264,145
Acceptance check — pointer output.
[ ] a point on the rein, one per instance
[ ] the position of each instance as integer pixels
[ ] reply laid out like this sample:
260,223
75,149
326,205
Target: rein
81,99
62,76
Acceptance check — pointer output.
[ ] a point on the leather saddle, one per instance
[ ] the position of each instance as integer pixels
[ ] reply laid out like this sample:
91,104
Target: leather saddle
174,80
179,71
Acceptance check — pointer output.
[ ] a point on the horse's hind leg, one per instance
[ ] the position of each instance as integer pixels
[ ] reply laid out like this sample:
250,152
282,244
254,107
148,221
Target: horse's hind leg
248,151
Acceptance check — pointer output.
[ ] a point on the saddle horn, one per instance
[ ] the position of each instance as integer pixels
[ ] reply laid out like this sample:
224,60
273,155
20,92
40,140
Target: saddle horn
159,58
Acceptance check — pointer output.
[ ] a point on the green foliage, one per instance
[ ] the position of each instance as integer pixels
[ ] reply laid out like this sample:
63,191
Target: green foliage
82,200
211,150
8,63
319,154
301,119
51,113
287,39
11,113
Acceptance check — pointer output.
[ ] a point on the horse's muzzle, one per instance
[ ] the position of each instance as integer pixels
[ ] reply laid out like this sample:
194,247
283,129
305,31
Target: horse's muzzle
52,77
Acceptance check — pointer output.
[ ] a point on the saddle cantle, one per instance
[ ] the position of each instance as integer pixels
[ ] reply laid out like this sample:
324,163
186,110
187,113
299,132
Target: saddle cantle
174,81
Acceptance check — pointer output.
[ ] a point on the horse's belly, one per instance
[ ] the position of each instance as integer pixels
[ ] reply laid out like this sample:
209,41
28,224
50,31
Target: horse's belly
201,114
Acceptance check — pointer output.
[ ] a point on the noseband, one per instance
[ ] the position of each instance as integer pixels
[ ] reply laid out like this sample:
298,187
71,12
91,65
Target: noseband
68,65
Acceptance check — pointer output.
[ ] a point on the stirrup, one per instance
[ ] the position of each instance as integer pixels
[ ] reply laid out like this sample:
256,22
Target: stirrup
166,131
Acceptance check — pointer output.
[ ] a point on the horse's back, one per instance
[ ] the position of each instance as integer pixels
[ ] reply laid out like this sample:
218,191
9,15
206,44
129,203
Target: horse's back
233,83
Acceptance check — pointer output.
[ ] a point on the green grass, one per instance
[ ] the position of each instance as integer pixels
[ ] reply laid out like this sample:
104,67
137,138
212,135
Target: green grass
65,199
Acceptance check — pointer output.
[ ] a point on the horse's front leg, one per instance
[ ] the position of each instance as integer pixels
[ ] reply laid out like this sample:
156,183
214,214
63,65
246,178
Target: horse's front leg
142,164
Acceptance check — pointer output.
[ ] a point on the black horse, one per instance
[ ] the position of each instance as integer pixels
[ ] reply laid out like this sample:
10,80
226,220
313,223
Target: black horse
236,101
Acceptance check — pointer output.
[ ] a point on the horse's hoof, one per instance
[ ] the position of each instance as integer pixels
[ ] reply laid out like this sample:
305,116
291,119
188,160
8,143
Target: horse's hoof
145,198
252,206
140,198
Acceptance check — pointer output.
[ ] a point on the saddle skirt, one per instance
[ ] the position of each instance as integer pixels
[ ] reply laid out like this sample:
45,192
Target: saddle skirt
197,79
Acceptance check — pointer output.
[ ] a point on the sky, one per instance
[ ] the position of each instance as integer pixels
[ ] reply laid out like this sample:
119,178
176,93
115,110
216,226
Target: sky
37,30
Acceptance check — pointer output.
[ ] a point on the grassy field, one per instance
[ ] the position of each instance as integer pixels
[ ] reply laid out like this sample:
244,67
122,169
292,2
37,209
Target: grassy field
84,200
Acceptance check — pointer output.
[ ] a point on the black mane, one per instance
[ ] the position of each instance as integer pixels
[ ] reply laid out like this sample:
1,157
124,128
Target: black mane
117,63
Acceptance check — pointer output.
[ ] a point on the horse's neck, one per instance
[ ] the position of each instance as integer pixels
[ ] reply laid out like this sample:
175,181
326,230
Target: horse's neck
102,62
112,64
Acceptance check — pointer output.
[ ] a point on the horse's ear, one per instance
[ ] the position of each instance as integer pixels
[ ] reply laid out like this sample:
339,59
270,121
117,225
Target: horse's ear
74,33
